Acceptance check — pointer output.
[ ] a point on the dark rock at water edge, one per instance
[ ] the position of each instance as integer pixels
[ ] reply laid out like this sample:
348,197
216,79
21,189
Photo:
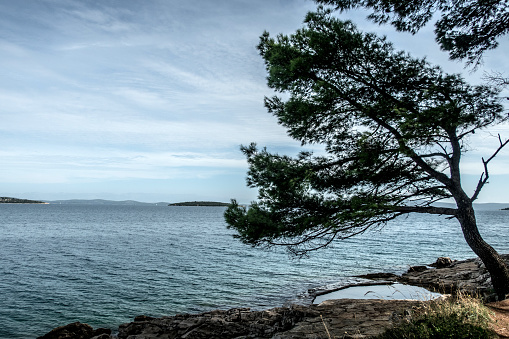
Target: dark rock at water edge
442,262
379,276
77,330
417,268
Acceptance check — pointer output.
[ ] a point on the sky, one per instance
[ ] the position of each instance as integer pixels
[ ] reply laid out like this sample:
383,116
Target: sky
150,100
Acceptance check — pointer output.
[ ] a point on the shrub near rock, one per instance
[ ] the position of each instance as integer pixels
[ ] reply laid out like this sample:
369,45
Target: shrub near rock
462,317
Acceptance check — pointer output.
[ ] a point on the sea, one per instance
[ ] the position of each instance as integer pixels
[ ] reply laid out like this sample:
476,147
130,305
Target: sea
105,264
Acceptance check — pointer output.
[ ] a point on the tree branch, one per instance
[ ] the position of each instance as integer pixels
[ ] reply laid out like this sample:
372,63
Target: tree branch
426,209
485,175
333,233
444,179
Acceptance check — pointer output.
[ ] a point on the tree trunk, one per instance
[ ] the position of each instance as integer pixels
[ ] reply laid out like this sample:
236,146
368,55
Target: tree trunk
494,263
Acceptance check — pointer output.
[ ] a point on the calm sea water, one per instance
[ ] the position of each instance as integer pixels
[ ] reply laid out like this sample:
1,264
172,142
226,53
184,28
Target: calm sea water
104,265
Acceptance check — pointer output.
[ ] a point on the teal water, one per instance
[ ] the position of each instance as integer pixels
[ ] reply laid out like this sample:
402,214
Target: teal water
104,265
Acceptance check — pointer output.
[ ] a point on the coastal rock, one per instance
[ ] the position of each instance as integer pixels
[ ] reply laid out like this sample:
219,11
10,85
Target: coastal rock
417,269
101,333
75,330
379,276
232,323
468,276
442,262
342,318
350,318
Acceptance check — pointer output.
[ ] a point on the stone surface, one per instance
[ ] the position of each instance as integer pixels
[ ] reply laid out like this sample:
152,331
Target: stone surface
379,276
417,269
342,318
468,276
442,262
350,318
75,330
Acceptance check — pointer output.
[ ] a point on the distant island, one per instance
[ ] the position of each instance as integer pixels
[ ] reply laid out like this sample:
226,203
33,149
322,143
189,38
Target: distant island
505,209
7,200
200,203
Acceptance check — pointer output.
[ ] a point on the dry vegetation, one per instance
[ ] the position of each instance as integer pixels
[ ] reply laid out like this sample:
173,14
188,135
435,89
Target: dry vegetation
454,317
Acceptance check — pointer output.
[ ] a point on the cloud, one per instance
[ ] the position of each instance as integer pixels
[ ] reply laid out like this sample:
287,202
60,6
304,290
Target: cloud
64,165
146,90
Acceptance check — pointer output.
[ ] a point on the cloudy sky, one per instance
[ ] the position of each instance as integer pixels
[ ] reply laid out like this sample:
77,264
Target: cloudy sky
150,100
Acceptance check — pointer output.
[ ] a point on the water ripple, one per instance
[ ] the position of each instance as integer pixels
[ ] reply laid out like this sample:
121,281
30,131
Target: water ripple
106,264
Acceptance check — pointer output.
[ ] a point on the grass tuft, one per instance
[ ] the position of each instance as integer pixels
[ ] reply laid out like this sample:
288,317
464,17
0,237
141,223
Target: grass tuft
455,317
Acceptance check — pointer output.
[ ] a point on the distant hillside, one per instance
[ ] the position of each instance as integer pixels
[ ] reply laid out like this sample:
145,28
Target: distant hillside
106,202
200,203
7,200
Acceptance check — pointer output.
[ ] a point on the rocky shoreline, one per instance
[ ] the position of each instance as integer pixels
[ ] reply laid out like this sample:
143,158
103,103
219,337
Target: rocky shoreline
340,318
447,276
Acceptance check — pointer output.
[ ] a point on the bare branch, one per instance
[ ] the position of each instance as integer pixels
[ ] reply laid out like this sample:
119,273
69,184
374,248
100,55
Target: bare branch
438,154
496,78
485,175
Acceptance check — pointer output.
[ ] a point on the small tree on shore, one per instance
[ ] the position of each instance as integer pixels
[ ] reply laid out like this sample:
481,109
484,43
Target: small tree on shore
394,129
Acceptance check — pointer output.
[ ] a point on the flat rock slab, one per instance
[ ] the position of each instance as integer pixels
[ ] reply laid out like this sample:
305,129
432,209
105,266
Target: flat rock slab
350,318
342,318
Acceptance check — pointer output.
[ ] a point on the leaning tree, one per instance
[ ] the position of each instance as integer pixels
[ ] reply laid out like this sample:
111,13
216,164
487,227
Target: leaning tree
393,128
